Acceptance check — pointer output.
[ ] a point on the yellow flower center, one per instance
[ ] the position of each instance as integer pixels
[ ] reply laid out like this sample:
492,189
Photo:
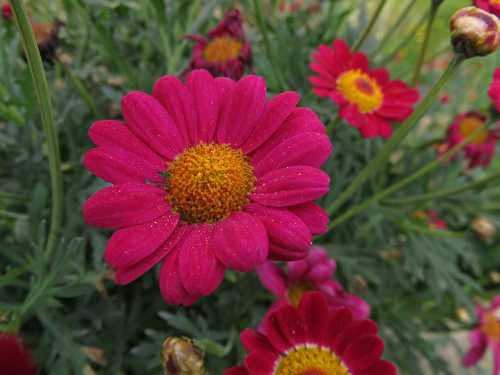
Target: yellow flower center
207,182
491,326
295,292
222,49
361,90
469,125
495,2
310,360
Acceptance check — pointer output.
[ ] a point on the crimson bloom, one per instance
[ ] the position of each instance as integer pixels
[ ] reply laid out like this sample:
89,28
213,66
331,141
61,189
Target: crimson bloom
492,6
481,148
494,90
225,51
367,98
315,272
15,359
7,12
313,340
207,175
487,333
431,219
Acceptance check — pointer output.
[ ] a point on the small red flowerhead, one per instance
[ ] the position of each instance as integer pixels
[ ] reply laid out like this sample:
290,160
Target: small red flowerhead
7,12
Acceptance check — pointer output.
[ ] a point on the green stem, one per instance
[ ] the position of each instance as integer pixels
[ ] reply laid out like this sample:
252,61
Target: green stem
267,45
392,30
369,27
400,184
380,160
43,97
425,44
82,90
447,192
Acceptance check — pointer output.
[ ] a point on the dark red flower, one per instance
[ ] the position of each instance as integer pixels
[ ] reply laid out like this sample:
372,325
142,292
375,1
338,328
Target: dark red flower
313,340
7,12
15,359
225,51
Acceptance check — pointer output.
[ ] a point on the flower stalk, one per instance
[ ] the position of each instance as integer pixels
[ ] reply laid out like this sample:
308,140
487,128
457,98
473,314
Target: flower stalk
369,27
43,97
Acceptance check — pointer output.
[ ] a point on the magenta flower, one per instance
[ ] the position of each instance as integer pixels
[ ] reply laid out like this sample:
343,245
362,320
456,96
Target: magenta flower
481,148
487,333
15,359
225,51
207,175
315,272
492,6
494,90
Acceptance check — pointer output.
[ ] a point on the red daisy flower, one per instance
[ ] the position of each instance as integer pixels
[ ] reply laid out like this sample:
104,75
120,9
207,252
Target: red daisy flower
315,272
15,359
312,340
368,100
207,175
491,6
494,90
225,52
7,12
481,149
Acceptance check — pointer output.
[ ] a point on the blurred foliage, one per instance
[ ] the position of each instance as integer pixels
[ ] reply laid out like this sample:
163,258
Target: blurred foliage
414,278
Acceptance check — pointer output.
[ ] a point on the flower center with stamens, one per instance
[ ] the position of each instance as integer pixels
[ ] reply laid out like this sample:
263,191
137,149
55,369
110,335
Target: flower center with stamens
207,182
471,124
310,360
296,291
222,49
491,326
495,2
360,89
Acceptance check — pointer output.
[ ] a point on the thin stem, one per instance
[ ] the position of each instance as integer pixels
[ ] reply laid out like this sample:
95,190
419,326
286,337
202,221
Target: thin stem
405,181
369,27
392,30
425,44
380,160
43,97
267,44
447,192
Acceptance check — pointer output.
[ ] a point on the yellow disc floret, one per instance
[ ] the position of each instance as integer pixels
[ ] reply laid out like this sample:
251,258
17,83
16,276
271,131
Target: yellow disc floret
471,124
360,89
222,49
491,326
297,291
310,360
207,182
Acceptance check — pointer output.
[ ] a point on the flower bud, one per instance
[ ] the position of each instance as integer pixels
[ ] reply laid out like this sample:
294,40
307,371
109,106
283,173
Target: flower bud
180,356
474,32
483,227
7,11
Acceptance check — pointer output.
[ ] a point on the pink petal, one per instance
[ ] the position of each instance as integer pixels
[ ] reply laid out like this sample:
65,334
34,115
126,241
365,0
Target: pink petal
178,101
310,149
284,228
285,254
223,86
119,166
127,275
394,112
241,109
478,345
130,245
171,287
313,216
363,352
204,92
313,309
276,111
291,186
272,277
253,341
125,205
240,242
149,121
291,324
200,271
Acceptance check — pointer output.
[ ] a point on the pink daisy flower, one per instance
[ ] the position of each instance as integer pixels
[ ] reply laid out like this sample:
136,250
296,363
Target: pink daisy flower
494,90
487,333
207,175
481,149
313,340
315,272
367,98
491,6
225,51
15,359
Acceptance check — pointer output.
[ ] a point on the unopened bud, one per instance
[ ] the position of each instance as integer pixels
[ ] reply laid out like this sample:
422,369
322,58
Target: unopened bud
7,12
474,32
180,356
483,227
